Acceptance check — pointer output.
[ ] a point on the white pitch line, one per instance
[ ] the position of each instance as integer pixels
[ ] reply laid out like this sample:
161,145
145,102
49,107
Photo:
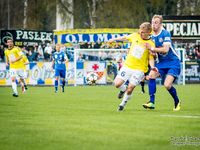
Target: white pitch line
177,116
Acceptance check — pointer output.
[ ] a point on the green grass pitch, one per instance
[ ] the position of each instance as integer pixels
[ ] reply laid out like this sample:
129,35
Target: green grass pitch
86,118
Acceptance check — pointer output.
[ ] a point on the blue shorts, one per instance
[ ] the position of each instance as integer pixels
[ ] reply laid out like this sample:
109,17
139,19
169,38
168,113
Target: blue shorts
61,73
169,71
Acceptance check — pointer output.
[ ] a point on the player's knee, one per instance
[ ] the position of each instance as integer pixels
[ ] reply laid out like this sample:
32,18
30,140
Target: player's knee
167,86
129,90
117,84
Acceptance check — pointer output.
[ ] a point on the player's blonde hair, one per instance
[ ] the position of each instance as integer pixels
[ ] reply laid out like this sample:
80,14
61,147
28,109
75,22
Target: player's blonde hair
159,17
146,26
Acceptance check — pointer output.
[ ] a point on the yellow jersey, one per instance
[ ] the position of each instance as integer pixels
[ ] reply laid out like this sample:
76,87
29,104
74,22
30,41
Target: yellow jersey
12,54
138,56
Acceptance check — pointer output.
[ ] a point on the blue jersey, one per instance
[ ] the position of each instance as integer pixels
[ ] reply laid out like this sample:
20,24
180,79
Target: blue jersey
60,58
171,58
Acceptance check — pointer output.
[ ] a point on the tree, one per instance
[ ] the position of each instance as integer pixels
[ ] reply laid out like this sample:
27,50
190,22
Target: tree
41,14
35,14
11,14
65,14
122,14
188,7
4,14
25,14
93,6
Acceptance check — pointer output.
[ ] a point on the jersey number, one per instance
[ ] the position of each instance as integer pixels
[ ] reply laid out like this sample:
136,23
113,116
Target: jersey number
123,73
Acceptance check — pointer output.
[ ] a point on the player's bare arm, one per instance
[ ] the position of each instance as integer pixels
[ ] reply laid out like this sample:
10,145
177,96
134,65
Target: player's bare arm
122,38
163,49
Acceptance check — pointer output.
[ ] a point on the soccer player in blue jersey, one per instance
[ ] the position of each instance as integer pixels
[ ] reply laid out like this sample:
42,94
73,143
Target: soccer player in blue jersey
168,66
59,61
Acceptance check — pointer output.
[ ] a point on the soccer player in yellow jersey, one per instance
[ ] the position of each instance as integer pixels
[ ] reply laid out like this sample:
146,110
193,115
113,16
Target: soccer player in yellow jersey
25,62
136,63
13,60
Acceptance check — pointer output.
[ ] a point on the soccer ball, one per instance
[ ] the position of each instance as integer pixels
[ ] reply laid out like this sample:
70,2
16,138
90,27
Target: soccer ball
91,78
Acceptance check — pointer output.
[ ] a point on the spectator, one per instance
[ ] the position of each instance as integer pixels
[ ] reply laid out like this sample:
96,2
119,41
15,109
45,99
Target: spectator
40,53
25,51
105,45
48,52
76,45
97,44
84,45
89,45
63,48
197,53
190,53
2,55
31,55
117,46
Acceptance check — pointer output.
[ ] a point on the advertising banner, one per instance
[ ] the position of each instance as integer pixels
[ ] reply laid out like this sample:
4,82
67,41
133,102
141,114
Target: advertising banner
183,27
40,73
192,71
26,37
89,35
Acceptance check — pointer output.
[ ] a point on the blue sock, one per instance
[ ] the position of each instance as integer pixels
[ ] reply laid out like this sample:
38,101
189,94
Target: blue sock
173,93
56,85
63,85
152,90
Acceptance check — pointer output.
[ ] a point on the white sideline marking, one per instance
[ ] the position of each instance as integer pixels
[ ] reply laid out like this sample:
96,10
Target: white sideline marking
177,116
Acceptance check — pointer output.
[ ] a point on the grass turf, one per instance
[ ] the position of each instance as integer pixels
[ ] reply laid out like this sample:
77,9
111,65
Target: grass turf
85,118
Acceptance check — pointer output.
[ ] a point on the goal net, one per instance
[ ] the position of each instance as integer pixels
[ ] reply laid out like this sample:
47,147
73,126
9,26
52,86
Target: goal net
106,63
